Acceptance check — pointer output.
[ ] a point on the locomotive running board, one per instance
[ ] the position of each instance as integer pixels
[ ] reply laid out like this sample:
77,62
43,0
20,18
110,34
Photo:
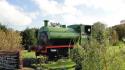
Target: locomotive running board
60,46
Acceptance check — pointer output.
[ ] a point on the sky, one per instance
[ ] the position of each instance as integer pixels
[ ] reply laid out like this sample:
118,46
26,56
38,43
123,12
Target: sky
21,14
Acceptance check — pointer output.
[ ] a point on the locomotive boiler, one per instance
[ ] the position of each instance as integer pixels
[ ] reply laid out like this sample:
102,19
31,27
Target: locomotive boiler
55,40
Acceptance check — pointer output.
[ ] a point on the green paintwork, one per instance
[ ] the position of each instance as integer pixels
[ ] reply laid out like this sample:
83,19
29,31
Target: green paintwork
59,32
63,35
56,29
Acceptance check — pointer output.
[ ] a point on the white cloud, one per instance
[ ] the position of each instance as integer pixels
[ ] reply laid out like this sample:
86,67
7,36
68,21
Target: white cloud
49,7
33,15
113,10
11,14
80,20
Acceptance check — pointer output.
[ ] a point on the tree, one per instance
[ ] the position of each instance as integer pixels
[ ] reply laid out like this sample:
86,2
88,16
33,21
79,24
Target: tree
3,27
120,29
99,32
29,37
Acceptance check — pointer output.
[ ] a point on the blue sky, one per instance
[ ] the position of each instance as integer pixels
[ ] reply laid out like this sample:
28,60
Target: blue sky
20,14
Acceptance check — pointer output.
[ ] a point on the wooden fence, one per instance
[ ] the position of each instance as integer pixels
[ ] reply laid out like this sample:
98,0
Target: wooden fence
10,60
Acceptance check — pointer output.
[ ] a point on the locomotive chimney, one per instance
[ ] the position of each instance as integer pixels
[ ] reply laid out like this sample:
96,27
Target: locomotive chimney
46,23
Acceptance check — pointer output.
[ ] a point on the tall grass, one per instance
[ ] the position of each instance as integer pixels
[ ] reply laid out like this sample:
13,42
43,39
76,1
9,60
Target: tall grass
96,56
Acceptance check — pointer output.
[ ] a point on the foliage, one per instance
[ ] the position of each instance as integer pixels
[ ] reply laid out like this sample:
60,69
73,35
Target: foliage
26,54
29,37
88,56
29,57
62,64
113,37
91,56
97,53
10,40
120,29
77,55
3,27
99,32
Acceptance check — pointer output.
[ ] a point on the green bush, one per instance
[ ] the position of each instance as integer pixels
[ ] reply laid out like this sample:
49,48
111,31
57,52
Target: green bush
77,55
98,54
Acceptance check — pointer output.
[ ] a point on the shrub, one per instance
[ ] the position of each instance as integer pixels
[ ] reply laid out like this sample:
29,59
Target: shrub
10,40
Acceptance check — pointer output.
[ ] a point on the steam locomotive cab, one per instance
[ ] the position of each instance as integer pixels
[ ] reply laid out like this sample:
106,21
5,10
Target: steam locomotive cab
55,41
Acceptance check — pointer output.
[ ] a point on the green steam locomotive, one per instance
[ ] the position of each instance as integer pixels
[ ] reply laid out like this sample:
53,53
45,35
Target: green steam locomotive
55,40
